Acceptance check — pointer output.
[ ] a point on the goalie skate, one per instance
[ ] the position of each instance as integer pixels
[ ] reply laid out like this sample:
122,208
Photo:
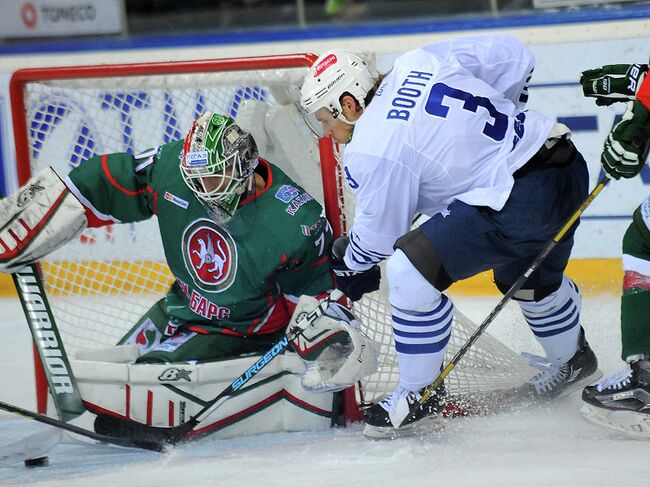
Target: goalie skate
622,401
383,419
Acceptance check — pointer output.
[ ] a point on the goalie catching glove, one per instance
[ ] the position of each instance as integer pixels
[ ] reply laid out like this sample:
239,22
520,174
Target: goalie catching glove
336,352
38,219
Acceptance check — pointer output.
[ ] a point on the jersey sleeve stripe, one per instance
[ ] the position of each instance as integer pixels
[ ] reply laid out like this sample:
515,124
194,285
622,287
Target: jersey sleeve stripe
95,217
375,255
114,183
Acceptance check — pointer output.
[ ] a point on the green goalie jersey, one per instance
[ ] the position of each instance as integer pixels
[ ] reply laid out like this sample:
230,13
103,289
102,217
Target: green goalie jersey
231,278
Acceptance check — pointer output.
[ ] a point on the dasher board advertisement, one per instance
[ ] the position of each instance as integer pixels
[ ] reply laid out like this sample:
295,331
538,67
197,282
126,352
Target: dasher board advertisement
55,18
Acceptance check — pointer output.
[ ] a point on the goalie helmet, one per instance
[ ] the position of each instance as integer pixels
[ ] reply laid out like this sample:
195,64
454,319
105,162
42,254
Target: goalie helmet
334,73
217,163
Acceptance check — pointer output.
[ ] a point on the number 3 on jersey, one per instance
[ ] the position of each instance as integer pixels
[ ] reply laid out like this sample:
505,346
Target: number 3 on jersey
496,130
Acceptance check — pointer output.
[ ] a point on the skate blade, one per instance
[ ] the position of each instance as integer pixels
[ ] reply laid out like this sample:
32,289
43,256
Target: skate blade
633,424
582,383
427,425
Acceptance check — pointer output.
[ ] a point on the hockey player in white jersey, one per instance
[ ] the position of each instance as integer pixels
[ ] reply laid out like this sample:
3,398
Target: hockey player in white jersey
446,134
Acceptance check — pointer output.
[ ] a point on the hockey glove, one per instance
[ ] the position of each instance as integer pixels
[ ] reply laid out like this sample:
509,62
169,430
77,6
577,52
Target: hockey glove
353,283
336,352
38,219
613,82
626,147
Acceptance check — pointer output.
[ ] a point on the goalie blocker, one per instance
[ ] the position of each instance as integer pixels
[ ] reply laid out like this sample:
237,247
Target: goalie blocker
294,392
37,220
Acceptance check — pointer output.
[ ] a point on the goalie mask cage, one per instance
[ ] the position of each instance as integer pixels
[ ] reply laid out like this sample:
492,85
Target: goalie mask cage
100,284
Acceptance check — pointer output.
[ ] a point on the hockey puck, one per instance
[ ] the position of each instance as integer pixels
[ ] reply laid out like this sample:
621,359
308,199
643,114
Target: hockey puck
37,462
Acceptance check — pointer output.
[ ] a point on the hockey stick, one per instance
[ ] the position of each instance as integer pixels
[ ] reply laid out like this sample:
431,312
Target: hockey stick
186,431
144,444
506,298
47,340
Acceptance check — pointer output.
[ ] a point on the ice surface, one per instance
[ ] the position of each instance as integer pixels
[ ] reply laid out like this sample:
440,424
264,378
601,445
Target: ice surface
539,446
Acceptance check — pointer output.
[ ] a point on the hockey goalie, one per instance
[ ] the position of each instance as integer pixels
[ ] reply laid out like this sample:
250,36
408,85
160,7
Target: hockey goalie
248,250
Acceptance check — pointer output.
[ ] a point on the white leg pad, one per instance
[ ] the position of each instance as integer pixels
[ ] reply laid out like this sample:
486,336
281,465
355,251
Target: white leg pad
166,395
119,354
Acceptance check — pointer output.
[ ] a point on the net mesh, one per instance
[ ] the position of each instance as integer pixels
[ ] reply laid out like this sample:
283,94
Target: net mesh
102,283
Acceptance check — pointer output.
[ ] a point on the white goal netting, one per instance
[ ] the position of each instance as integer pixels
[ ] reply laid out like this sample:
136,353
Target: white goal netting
102,283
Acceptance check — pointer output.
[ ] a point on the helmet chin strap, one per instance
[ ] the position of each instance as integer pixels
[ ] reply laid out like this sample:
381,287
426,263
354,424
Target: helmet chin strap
343,119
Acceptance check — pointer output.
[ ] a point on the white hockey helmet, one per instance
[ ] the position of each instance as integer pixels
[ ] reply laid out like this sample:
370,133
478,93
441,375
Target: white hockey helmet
336,72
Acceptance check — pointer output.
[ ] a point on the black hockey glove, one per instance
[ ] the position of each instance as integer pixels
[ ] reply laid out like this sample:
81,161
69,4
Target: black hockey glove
613,82
626,147
353,283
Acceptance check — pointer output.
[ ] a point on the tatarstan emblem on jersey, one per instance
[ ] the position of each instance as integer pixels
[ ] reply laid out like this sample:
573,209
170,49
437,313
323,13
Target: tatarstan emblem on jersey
210,256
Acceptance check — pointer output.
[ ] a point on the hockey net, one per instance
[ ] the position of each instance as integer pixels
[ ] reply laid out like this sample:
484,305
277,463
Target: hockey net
102,283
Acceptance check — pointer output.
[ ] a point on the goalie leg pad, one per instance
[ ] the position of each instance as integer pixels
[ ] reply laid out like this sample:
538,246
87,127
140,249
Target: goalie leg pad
38,219
165,395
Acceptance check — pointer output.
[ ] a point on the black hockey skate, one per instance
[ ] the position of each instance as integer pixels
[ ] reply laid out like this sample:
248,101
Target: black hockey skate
383,419
622,401
557,381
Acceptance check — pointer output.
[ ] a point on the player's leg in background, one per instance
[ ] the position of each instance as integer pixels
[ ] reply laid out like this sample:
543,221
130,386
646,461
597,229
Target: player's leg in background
539,205
627,392
635,301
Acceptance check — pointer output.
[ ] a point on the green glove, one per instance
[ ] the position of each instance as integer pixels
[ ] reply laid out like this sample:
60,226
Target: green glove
626,146
613,82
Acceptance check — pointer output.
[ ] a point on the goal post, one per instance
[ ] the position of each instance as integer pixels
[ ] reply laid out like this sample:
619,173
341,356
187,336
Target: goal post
100,284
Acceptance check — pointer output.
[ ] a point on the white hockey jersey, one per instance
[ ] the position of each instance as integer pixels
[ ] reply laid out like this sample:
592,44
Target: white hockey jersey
448,123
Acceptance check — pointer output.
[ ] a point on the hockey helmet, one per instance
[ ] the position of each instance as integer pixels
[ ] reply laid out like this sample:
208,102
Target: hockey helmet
334,73
217,163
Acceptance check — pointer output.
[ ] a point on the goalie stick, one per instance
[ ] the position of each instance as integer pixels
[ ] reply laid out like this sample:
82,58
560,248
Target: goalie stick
47,341
506,298
144,444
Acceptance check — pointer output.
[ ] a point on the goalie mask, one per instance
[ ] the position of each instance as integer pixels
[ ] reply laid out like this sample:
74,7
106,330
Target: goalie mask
334,73
218,162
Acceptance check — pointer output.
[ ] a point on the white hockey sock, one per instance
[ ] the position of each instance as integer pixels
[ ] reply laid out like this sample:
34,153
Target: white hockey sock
555,321
421,339
422,318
